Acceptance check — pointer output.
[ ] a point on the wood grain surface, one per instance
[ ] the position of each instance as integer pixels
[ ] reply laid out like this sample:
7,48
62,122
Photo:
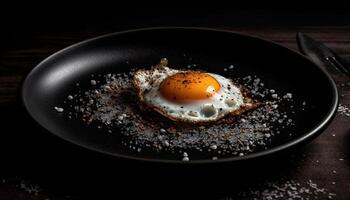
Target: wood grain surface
30,156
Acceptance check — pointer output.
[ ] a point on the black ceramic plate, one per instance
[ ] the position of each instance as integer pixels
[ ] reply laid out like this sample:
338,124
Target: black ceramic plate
49,83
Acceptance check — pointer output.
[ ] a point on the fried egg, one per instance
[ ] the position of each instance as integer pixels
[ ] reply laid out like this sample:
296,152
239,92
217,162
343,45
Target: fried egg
187,95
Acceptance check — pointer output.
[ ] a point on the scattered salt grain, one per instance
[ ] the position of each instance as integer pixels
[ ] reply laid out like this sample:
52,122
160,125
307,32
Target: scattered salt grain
344,110
275,96
185,157
93,82
331,194
287,189
70,97
120,117
288,96
231,66
30,188
115,105
166,143
58,109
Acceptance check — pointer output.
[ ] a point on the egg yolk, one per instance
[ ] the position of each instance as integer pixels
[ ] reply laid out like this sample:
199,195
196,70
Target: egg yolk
186,86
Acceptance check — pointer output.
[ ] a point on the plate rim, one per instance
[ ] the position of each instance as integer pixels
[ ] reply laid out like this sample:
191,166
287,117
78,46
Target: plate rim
314,132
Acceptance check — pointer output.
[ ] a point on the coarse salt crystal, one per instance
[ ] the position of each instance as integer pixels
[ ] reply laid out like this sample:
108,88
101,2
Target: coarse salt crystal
274,106
58,109
120,117
185,159
229,142
166,143
288,96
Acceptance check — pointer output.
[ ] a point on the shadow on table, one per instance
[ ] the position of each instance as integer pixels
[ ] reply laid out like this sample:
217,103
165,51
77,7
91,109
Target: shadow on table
64,169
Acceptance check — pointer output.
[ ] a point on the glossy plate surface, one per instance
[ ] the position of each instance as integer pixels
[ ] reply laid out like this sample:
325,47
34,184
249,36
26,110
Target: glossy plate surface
49,83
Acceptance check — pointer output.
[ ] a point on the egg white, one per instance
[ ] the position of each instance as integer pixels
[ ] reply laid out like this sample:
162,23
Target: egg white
227,100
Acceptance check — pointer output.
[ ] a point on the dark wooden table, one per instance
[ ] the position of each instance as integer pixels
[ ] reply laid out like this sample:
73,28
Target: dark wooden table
30,156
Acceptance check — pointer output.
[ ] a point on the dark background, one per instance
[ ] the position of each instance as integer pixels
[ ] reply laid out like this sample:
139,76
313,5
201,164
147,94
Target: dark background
62,15
32,31
19,18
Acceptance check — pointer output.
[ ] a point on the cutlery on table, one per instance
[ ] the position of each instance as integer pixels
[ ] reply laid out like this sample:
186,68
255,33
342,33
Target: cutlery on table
322,55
